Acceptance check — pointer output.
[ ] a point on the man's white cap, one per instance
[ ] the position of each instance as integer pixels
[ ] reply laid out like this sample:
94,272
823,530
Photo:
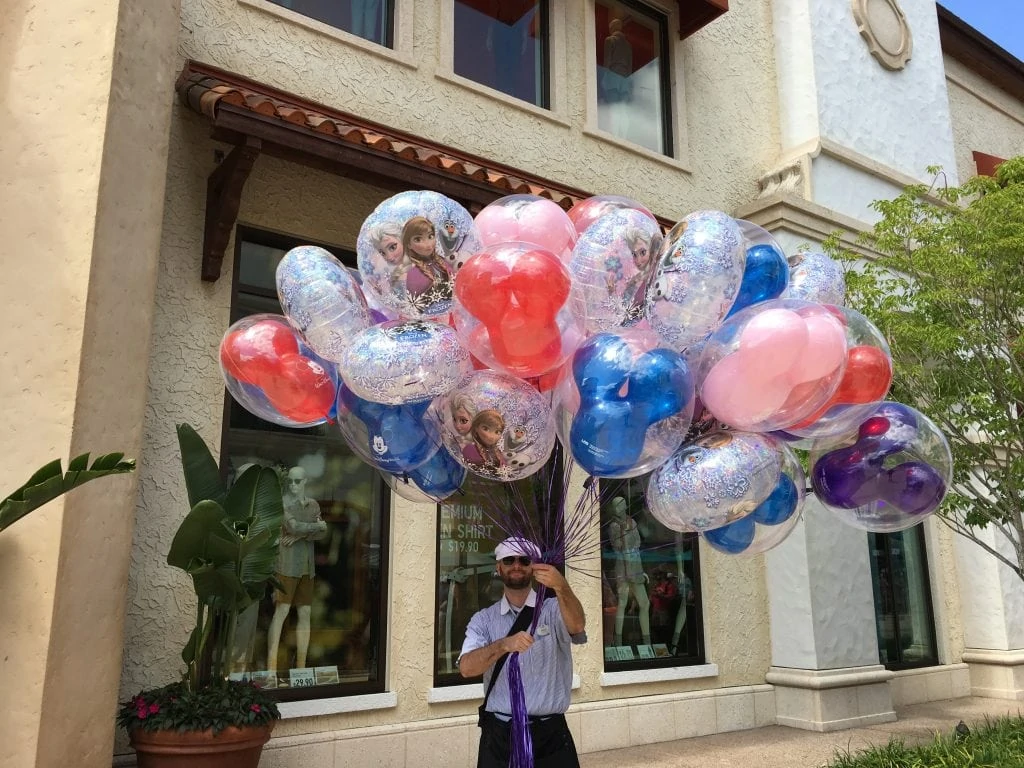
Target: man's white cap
515,545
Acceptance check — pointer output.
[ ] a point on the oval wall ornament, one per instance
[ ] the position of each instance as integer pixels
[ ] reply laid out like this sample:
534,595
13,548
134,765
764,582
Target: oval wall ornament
884,28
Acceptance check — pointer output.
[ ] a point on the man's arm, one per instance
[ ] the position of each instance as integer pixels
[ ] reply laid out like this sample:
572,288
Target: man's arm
572,609
479,661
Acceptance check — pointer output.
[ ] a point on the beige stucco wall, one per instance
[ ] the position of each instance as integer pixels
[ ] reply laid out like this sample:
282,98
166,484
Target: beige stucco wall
83,146
985,118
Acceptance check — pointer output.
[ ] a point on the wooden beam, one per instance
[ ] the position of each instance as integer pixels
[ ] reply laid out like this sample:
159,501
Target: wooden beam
695,14
223,197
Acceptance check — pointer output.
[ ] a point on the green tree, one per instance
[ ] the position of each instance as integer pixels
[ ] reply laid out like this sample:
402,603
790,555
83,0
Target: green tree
947,291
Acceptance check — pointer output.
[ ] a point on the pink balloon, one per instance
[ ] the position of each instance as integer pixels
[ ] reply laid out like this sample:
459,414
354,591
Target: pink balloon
824,352
773,341
740,395
497,224
544,223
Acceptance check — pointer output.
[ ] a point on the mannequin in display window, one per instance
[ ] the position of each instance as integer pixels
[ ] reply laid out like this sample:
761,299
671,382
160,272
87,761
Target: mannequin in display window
686,598
301,527
629,573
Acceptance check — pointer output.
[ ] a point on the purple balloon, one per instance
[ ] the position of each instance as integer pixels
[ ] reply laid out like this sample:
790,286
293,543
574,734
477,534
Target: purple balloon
846,479
913,487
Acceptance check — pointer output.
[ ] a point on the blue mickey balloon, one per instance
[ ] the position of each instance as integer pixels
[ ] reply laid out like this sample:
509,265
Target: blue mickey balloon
440,476
765,277
734,537
622,395
397,437
780,504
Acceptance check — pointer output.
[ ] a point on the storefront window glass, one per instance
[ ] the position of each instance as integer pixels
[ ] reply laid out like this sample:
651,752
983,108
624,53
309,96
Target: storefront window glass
650,583
325,629
903,605
633,84
369,19
504,45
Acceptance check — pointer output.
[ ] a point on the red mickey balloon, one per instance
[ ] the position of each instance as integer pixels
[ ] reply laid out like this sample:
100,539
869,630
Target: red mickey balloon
516,294
252,353
299,388
866,379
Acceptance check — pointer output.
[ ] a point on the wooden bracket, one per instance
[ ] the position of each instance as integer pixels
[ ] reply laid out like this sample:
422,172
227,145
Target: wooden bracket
223,197
694,14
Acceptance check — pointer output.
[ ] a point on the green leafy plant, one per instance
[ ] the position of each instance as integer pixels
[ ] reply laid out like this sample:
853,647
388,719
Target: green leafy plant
50,481
947,291
227,544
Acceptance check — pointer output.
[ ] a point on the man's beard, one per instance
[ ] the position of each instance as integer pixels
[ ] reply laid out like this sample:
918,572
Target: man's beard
517,581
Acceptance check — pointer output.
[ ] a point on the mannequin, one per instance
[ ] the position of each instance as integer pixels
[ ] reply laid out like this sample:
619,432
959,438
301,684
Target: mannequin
615,80
295,567
629,573
685,593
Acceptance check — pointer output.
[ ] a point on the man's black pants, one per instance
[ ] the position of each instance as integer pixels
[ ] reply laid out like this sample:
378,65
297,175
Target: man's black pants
553,746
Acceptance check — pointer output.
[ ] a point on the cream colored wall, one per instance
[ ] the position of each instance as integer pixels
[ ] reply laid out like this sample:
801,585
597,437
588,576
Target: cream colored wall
985,118
83,127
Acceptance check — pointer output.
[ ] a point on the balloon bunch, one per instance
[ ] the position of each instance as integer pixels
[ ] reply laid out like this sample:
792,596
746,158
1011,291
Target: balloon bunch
702,356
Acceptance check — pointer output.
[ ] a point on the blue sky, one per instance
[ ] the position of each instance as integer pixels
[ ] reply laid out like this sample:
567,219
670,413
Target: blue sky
999,20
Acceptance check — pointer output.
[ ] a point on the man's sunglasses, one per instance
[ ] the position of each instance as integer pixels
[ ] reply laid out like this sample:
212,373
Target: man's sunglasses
524,561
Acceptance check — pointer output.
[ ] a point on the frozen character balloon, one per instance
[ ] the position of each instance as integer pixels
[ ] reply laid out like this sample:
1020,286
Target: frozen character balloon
485,433
428,283
463,410
586,212
813,276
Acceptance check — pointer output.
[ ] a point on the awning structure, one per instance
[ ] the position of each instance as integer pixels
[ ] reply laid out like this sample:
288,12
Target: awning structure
258,119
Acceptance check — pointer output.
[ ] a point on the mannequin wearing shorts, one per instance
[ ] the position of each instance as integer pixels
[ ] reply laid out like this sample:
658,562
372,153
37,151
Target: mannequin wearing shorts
629,573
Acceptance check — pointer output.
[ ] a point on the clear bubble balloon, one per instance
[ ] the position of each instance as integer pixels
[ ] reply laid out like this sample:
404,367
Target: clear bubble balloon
586,212
716,480
697,277
432,482
772,365
865,382
405,361
888,475
410,248
514,310
527,219
322,300
813,276
392,438
270,372
772,520
496,426
611,266
766,273
626,405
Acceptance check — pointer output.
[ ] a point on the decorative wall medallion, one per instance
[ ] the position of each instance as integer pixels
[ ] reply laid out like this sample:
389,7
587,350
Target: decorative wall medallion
884,27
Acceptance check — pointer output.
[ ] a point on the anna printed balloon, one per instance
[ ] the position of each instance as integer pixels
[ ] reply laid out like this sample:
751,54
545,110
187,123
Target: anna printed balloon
496,426
409,250
612,265
716,480
586,212
322,300
405,362
697,277
888,475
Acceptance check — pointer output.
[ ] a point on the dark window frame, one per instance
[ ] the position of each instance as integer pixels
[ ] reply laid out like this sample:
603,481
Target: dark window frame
932,660
284,241
388,22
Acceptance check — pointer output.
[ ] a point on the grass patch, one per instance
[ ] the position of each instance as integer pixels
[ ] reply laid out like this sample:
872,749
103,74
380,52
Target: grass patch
993,743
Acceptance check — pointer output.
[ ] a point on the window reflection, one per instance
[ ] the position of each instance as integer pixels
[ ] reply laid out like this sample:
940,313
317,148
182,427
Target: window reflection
369,19
632,74
503,44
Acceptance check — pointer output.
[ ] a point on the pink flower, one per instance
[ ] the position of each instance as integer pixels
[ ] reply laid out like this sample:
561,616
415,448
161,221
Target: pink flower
142,714
154,708
139,702
254,708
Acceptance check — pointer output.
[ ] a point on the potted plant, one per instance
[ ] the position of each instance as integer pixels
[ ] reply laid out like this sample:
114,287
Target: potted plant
228,544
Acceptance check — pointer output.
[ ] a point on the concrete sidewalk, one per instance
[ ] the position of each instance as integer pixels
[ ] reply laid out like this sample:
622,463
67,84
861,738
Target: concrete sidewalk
781,747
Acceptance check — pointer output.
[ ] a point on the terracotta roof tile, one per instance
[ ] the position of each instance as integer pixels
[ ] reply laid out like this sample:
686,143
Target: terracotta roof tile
204,89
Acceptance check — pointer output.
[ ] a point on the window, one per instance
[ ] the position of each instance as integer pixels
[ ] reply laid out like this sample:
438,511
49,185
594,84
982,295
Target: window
903,604
369,19
503,44
329,633
466,579
650,584
633,80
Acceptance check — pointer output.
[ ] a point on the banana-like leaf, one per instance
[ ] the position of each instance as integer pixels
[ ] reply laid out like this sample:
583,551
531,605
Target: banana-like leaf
255,499
201,537
219,587
202,476
50,481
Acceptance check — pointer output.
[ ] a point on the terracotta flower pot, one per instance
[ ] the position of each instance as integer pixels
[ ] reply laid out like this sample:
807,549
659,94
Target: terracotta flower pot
231,748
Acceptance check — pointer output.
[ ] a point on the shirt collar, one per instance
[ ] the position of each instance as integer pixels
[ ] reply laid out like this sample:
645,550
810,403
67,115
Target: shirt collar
506,606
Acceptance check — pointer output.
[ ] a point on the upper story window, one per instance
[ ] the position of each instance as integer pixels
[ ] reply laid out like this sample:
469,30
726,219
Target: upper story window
503,44
371,20
323,633
650,582
633,74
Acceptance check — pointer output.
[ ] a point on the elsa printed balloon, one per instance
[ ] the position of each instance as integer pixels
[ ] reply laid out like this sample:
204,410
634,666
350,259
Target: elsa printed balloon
322,300
813,276
611,266
409,250
697,277
405,362
720,478
496,426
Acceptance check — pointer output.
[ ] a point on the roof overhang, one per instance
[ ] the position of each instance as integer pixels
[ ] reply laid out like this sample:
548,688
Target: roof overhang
979,54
